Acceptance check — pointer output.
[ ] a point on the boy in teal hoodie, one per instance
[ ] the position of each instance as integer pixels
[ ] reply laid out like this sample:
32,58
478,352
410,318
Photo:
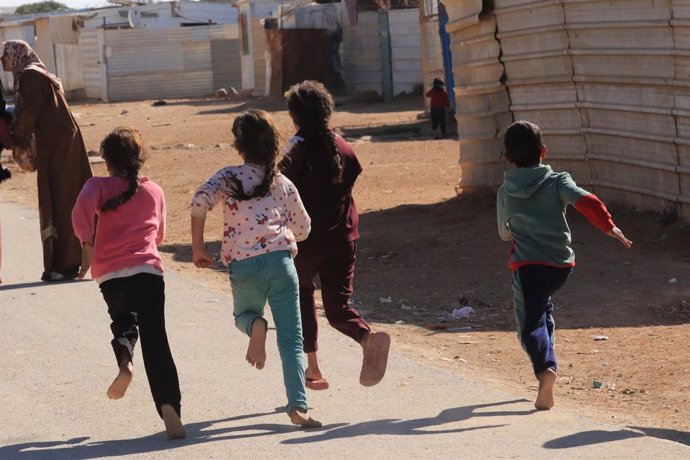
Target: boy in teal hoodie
531,212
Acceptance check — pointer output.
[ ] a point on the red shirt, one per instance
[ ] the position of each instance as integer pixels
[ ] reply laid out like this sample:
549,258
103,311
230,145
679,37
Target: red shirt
439,98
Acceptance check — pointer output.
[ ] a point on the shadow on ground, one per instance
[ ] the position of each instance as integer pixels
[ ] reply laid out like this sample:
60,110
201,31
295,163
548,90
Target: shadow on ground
416,130
418,263
588,438
211,431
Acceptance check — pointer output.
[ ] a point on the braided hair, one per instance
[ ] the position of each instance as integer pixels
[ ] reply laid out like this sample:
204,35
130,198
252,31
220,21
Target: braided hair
258,140
123,150
310,106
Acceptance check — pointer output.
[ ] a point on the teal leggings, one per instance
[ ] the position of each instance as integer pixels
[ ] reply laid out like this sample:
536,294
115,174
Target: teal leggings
273,277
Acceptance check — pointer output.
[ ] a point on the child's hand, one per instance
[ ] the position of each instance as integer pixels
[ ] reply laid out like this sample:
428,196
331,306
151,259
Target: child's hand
201,258
86,256
616,233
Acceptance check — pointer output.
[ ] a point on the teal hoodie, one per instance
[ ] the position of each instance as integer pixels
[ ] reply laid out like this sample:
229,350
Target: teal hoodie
531,211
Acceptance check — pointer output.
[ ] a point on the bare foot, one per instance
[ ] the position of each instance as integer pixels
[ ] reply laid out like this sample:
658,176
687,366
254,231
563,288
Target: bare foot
313,370
256,351
376,346
173,424
298,418
119,386
545,400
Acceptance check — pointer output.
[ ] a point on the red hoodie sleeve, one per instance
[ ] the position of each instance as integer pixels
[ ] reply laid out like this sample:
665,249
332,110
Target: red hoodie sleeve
595,211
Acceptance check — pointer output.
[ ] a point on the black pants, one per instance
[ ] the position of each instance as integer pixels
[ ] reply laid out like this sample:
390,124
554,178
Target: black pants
136,305
438,118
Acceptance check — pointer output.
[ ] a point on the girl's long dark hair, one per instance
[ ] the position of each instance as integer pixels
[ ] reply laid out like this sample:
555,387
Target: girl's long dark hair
123,150
258,140
310,106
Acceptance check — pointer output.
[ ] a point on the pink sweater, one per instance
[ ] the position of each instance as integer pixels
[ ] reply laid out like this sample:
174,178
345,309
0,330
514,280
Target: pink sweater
126,237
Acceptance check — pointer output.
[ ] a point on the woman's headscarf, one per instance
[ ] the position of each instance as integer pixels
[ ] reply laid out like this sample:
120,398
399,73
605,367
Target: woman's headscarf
23,57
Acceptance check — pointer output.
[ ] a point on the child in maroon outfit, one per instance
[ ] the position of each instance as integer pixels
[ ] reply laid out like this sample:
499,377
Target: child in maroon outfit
324,169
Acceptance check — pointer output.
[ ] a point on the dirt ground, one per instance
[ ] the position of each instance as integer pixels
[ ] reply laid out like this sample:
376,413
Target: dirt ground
425,251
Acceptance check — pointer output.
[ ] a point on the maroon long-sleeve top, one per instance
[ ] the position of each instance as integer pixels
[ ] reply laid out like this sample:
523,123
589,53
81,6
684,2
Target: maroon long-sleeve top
332,208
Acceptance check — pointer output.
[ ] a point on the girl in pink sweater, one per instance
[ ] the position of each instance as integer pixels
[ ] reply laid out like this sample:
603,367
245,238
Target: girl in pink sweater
120,221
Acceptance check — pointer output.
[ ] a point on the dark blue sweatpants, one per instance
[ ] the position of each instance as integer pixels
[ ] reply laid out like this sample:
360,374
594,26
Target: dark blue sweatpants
533,286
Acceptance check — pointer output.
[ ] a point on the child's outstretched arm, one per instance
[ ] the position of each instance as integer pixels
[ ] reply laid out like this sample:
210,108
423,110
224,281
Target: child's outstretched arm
596,213
592,208
86,258
200,257
84,222
206,197
616,233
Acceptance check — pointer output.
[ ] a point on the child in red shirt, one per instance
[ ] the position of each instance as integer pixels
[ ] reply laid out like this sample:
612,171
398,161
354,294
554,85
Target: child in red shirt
439,106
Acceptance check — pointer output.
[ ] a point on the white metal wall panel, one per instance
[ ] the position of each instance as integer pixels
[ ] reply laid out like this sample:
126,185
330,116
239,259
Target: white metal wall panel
44,44
69,66
406,49
89,47
225,60
144,63
362,54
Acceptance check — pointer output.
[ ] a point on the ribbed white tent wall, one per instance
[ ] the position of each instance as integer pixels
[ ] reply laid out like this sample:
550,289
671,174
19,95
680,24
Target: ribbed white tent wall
608,81
482,102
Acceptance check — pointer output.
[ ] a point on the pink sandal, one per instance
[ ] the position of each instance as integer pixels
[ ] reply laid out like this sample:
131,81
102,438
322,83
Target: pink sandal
316,384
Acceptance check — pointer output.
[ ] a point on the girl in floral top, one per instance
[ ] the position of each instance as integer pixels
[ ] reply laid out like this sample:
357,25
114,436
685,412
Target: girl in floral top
263,220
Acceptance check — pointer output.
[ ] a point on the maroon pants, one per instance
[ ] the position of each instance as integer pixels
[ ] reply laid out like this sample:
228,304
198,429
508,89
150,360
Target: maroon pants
335,265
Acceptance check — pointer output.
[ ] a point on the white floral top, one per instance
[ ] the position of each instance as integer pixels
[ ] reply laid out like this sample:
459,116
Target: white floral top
257,226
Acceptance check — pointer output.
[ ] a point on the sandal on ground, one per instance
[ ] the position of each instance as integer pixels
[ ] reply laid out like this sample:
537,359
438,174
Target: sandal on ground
316,384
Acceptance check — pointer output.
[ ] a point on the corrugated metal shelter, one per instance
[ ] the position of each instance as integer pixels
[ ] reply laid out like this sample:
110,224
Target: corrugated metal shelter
56,39
608,81
159,63
383,52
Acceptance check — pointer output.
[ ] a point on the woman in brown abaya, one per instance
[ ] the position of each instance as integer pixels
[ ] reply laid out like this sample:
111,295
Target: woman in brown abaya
61,162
